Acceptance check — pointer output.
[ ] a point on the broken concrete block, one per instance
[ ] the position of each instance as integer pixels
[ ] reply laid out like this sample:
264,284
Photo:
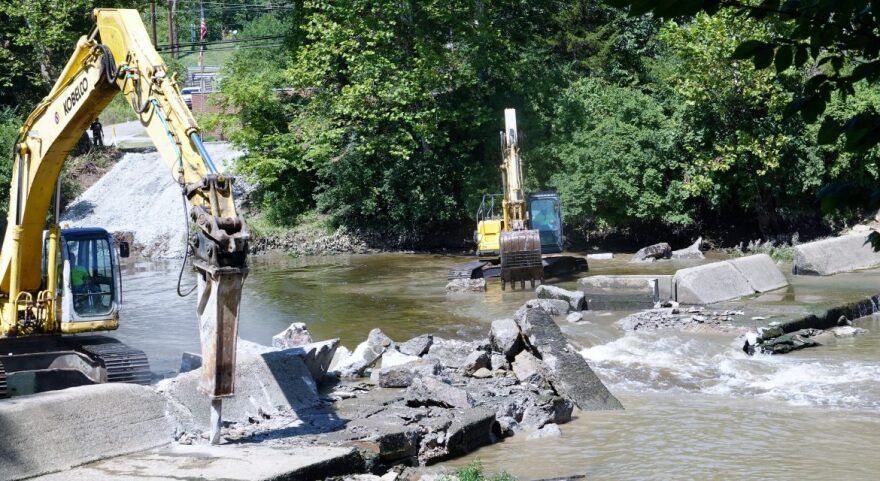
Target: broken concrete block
417,346
567,371
364,355
691,252
708,283
527,368
402,375
476,360
554,307
451,353
548,431
190,361
393,358
297,334
760,271
835,255
317,356
575,299
623,292
430,391
652,252
504,336
466,285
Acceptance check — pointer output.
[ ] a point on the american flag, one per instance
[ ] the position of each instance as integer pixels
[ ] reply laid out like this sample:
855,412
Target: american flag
203,27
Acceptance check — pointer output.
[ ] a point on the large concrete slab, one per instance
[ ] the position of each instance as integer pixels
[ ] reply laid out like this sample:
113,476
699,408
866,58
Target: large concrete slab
761,272
835,255
708,283
216,463
263,384
56,430
625,291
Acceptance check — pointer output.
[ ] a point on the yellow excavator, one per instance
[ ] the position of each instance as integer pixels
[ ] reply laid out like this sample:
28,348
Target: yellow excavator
55,283
514,229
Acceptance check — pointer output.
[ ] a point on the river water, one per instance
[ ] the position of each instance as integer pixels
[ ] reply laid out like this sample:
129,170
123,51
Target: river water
696,406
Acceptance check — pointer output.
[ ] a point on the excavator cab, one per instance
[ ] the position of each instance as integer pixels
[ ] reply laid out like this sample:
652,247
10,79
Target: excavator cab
545,215
91,283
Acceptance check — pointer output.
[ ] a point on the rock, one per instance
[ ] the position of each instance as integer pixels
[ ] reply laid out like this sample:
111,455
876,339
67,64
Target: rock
342,353
835,255
499,361
546,410
297,334
364,355
317,356
567,371
574,317
575,299
476,360
770,332
847,331
548,431
843,321
190,362
402,375
652,252
791,342
393,358
554,307
482,373
417,346
466,285
431,391
527,368
691,252
504,337
451,353
470,430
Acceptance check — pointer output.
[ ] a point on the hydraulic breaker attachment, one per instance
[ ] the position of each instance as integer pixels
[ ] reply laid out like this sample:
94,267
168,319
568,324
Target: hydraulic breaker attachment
521,258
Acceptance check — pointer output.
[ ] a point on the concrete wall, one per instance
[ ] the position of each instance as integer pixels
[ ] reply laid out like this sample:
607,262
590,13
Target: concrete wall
625,291
835,255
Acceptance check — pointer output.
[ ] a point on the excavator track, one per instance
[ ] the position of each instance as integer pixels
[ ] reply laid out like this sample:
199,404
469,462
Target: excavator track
121,362
3,389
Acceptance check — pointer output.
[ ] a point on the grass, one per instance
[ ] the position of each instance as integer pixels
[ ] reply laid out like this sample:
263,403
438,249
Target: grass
475,472
117,112
213,58
311,222
778,251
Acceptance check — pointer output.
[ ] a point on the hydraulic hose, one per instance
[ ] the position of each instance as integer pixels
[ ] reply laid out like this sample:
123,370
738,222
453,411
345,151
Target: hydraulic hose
197,140
186,249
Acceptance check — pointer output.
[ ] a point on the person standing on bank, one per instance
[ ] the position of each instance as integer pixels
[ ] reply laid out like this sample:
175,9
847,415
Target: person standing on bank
97,133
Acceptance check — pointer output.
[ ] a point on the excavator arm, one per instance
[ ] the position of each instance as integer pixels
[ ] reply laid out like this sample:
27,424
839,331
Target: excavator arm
118,56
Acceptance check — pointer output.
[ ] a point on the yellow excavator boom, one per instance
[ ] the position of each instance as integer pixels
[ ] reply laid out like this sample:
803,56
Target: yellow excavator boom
118,56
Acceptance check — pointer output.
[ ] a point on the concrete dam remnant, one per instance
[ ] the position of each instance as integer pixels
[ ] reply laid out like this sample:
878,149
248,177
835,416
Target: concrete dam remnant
835,255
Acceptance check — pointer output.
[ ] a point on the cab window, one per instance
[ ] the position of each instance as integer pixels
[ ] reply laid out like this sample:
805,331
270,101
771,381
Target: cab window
91,276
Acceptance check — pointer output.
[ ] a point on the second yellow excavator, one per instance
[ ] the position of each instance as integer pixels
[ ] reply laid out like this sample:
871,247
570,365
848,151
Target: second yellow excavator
69,283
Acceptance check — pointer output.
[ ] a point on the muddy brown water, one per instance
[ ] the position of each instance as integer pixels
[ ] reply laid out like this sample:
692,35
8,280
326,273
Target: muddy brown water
696,406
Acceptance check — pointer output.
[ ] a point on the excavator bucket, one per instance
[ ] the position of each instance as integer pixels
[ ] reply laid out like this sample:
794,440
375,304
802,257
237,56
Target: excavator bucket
521,258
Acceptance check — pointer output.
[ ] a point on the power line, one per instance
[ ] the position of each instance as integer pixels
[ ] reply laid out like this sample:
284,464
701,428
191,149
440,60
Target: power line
217,42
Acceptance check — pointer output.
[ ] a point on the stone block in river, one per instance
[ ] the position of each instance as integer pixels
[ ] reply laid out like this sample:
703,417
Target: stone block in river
575,299
505,337
760,271
567,370
625,292
709,283
652,253
402,375
691,252
835,255
263,384
297,334
417,346
554,307
470,430
431,391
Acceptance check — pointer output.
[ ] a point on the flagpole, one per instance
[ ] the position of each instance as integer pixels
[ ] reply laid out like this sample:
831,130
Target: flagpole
203,31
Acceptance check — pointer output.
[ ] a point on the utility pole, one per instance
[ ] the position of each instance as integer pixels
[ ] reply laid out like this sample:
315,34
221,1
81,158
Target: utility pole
153,22
172,34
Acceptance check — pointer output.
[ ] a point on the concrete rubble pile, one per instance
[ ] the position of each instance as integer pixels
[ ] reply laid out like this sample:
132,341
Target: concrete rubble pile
684,318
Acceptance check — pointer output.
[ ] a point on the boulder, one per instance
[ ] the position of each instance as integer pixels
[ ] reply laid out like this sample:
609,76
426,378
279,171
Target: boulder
297,334
466,285
691,252
417,346
652,253
546,410
402,375
567,371
431,391
504,337
554,307
364,355
792,341
476,360
575,299
527,368
835,255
